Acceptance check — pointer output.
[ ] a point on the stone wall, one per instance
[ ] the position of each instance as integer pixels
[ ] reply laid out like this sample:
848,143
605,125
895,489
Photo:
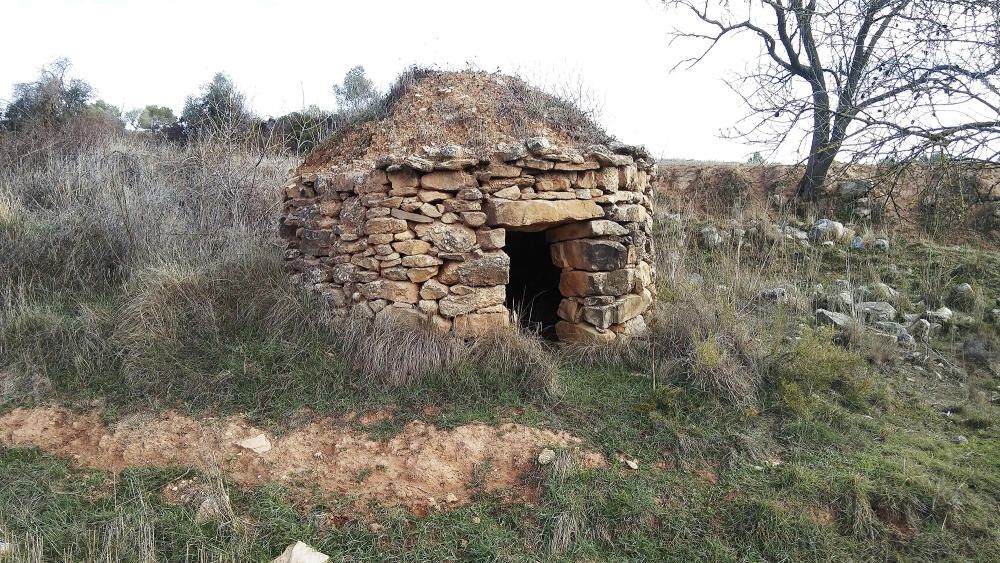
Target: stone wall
424,235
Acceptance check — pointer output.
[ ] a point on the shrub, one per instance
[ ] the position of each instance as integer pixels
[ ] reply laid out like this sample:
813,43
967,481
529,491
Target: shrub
49,101
814,365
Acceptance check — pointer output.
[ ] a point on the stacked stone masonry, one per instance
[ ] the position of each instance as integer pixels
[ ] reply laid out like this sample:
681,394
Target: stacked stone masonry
424,235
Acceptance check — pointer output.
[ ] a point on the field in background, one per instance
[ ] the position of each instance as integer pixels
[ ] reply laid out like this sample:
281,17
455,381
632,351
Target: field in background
139,276
945,201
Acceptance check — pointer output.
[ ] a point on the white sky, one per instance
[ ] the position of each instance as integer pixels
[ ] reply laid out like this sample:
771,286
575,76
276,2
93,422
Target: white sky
287,54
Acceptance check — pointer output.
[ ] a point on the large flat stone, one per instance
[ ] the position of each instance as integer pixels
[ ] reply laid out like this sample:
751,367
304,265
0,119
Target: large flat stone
577,283
448,181
621,310
582,333
448,238
587,229
396,291
478,324
464,299
492,268
539,214
589,254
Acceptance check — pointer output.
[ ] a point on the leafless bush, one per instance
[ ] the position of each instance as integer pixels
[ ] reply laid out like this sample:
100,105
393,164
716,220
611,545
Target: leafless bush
570,107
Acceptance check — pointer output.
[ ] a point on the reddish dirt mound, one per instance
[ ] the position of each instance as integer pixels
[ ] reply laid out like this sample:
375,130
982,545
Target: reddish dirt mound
474,109
421,468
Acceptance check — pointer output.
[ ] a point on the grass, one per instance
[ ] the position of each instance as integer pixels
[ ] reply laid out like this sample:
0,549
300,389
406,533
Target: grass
894,474
757,436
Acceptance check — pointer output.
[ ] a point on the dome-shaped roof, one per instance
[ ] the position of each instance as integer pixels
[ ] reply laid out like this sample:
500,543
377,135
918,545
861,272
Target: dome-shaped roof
477,110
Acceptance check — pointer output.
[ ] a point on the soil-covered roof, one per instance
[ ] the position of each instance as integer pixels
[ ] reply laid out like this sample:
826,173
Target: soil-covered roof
478,110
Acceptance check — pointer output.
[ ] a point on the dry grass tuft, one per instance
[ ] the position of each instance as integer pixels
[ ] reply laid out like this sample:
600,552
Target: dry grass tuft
394,350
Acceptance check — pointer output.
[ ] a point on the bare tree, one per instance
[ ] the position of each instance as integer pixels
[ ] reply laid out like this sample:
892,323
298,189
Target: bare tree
863,80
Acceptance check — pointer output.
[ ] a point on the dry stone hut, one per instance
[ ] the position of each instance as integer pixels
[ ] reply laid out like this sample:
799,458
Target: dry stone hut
467,196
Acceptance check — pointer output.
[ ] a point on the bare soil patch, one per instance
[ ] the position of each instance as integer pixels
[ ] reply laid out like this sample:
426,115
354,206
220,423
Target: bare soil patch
422,468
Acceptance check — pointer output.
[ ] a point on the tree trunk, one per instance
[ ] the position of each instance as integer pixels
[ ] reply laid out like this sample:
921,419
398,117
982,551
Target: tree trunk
817,168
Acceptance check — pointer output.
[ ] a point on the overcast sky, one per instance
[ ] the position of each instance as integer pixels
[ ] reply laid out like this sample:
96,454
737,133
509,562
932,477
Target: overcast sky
286,55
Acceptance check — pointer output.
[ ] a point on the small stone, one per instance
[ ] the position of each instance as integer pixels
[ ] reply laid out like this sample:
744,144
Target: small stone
512,193
710,237
209,510
857,243
433,289
839,320
258,444
942,315
632,464
882,244
825,229
546,457
299,552
774,294
491,239
876,310
540,146
961,440
920,329
473,218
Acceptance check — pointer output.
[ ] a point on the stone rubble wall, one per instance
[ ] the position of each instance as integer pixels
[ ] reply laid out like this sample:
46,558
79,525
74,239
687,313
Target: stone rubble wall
424,235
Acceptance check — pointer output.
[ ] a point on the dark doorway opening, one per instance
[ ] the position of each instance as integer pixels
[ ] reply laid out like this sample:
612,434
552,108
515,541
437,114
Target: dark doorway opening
533,290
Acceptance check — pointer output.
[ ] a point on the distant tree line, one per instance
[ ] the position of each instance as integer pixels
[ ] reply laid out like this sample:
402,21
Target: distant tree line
219,110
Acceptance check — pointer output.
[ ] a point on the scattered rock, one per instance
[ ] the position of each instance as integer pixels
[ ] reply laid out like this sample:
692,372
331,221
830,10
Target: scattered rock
889,327
210,510
546,457
774,294
540,146
632,464
842,302
258,444
826,229
920,329
299,552
710,237
876,311
884,292
943,315
978,349
854,189
962,320
882,244
839,320
963,297
960,440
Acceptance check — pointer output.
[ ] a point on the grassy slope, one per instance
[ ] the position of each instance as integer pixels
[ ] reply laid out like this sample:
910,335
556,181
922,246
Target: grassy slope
865,472
878,478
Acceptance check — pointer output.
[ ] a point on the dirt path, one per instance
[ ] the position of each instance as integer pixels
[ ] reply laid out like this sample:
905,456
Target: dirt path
421,468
